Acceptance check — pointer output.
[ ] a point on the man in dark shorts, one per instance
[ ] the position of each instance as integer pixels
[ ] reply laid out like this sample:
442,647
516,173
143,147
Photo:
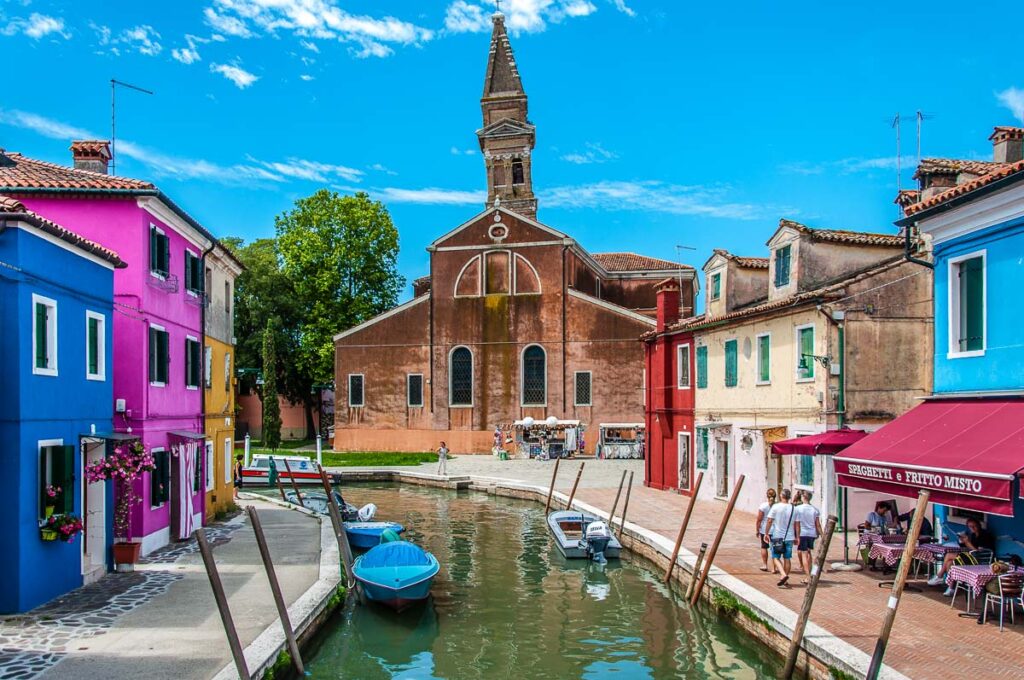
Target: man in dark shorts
807,521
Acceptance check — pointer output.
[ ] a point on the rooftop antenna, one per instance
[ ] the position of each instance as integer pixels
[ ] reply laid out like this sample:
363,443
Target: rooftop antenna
899,179
113,118
679,259
921,117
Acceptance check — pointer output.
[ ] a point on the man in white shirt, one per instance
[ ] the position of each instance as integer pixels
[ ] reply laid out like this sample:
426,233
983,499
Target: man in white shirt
807,520
780,528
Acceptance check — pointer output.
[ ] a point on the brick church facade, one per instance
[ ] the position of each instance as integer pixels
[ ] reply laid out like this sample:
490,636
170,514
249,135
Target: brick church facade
515,318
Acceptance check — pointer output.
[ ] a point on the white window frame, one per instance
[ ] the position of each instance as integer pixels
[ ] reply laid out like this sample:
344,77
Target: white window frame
796,341
157,383
229,450
953,306
472,381
679,367
575,392
757,354
208,449
423,397
170,475
101,346
191,338
51,336
348,388
522,376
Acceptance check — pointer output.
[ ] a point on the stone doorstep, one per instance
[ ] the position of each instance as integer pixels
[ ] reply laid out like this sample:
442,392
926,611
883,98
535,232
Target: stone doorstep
304,613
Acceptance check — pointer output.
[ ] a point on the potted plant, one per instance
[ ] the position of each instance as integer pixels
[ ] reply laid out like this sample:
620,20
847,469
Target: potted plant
125,466
66,526
52,493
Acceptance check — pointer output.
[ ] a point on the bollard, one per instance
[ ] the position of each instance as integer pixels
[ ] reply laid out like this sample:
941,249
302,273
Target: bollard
275,589
897,587
222,605
625,506
551,491
572,494
718,540
812,587
295,485
682,530
280,487
611,515
696,570
319,450
247,438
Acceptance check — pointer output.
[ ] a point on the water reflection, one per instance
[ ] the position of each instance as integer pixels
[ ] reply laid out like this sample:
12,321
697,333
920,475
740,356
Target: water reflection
507,604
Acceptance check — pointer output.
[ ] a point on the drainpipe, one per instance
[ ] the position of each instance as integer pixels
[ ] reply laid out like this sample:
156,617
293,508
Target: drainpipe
565,294
202,388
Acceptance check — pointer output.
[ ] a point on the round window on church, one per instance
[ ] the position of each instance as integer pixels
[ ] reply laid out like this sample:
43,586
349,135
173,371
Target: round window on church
498,232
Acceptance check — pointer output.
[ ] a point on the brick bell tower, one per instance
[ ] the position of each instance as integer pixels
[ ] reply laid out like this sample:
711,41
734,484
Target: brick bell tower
507,137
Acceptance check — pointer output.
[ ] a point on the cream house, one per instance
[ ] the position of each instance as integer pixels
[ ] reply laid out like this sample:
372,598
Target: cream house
832,329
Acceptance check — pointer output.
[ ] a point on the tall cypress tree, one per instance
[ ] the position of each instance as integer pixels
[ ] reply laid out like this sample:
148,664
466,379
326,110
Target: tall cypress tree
271,406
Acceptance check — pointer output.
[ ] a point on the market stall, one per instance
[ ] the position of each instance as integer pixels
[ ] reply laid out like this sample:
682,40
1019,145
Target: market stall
621,440
551,438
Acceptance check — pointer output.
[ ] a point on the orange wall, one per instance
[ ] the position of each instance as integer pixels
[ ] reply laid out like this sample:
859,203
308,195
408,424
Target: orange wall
293,417
412,441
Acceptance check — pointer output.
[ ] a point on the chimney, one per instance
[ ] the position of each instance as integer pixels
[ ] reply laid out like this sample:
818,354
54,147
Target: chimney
91,154
668,303
1007,144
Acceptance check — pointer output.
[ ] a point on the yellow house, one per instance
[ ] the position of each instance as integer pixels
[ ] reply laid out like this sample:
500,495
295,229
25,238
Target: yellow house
832,329
222,268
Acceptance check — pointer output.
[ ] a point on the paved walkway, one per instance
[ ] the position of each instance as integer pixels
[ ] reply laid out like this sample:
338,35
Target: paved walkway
929,640
161,621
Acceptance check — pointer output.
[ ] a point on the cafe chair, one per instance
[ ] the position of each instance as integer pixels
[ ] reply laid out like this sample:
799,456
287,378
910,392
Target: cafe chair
1011,586
983,556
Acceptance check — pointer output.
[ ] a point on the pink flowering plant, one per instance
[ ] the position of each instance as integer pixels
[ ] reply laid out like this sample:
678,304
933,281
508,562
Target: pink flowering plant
67,526
124,466
52,492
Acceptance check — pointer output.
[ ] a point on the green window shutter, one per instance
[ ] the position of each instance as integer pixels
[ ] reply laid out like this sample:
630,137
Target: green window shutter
702,448
42,360
94,346
702,366
164,356
165,254
154,250
806,350
730,363
716,286
764,358
807,470
66,456
782,266
44,453
188,363
153,348
188,271
972,305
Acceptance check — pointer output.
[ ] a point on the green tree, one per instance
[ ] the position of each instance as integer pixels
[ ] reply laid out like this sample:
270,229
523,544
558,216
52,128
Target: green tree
271,405
339,254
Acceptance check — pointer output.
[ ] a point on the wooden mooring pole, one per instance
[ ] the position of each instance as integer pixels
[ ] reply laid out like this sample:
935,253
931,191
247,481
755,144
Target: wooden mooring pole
280,487
682,530
572,494
718,539
812,587
275,589
897,587
551,491
625,505
696,570
344,549
615,505
295,485
222,605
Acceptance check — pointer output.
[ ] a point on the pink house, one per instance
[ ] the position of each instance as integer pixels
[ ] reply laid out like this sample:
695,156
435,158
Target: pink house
157,321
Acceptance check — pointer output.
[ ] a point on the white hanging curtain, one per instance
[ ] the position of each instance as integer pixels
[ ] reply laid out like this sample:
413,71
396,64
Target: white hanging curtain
187,452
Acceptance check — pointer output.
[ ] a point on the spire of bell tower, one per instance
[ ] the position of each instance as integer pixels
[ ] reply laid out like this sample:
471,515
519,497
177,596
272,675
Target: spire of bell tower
507,137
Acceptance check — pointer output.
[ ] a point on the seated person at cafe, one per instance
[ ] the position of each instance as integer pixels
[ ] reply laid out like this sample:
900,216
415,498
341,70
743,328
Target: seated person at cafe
975,538
927,532
878,519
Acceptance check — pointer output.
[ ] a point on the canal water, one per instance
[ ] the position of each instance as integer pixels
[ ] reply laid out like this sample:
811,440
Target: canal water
506,604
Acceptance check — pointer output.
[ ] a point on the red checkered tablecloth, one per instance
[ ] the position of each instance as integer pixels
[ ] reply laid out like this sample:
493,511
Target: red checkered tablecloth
975,576
867,540
890,553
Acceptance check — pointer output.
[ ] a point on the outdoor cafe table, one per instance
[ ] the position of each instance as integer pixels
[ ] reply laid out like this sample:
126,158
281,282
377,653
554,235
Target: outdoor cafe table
868,539
929,553
974,576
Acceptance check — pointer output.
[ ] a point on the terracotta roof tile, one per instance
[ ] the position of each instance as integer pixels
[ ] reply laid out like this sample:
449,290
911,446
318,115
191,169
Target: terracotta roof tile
13,208
1002,132
954,166
1003,170
856,238
907,197
19,172
91,147
631,262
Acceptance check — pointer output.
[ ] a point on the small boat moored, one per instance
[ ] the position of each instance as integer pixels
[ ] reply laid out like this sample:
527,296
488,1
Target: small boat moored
579,535
317,502
366,535
302,469
396,574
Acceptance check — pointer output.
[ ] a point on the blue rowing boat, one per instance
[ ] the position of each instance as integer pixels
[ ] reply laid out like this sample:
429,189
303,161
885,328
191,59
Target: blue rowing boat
365,535
396,574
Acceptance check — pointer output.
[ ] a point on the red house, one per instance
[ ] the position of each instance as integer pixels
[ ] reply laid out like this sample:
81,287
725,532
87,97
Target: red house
669,398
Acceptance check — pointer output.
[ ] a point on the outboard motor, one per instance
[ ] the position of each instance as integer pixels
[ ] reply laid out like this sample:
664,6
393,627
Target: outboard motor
367,512
597,537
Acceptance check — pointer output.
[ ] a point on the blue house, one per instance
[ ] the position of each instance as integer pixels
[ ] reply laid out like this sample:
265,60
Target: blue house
964,444
56,393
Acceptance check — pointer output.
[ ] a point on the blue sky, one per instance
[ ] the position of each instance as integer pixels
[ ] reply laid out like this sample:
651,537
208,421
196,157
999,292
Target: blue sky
658,123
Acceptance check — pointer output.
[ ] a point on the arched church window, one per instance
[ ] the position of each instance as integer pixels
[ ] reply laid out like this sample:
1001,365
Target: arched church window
517,172
535,376
460,377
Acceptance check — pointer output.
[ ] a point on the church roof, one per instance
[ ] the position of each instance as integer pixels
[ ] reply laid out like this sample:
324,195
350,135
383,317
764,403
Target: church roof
502,73
631,262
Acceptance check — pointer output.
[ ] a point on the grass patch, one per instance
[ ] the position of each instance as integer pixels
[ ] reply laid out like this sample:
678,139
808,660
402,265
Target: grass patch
378,458
338,597
281,666
726,602
839,674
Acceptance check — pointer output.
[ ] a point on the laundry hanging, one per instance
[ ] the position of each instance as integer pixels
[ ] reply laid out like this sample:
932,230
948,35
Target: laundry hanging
186,473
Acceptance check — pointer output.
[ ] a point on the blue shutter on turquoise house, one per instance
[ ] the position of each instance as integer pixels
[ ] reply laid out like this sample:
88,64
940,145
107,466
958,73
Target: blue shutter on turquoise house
702,366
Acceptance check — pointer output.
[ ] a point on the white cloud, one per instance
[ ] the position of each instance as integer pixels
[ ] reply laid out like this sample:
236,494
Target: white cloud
456,151
143,38
380,168
529,16
1013,99
102,33
36,26
848,165
622,7
236,74
653,196
594,153
429,196
320,19
310,45
306,77
189,54
313,171
44,126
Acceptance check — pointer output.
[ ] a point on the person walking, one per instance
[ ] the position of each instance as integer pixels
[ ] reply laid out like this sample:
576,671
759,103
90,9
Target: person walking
762,533
807,528
238,474
780,528
442,459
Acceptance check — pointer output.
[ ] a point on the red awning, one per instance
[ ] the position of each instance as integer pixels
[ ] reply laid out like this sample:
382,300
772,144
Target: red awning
824,443
966,452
